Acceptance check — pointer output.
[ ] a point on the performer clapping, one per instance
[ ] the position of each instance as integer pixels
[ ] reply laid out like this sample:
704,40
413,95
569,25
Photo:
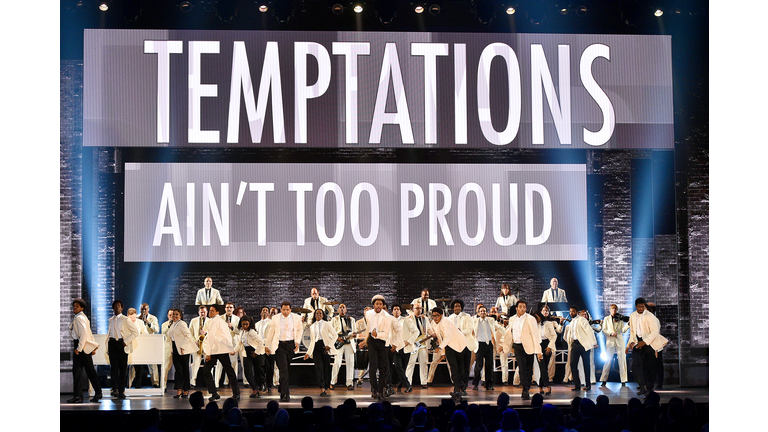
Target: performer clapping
321,349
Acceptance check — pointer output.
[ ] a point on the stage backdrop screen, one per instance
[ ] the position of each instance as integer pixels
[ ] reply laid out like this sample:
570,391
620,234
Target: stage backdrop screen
243,212
177,88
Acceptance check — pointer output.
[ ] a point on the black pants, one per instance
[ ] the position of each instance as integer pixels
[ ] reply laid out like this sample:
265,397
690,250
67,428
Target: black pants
484,357
644,366
83,362
225,363
118,361
401,362
283,357
322,362
467,354
579,353
659,381
181,364
259,371
268,370
456,365
524,365
252,368
378,355
544,364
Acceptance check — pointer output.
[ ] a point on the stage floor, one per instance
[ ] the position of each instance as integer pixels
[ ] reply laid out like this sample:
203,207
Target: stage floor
561,396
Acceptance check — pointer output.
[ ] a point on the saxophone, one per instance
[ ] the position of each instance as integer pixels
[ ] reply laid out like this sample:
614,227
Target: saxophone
200,344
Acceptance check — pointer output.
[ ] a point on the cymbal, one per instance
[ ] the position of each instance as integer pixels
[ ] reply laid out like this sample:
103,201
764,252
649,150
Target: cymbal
301,310
407,307
443,300
335,302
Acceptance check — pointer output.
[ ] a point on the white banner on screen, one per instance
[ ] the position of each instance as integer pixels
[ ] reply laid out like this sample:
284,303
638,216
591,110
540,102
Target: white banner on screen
209,212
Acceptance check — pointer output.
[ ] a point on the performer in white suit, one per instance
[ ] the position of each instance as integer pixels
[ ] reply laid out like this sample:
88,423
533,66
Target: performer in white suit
421,353
314,302
548,338
251,346
645,340
502,349
554,294
361,352
182,345
484,329
136,327
283,338
265,363
232,320
522,337
506,302
153,327
167,348
198,327
208,295
426,303
452,343
344,326
84,348
380,328
614,328
321,349
404,347
557,328
583,341
117,356
465,324
218,348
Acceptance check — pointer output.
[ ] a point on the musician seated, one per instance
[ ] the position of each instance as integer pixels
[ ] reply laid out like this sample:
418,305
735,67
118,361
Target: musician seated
426,303
315,302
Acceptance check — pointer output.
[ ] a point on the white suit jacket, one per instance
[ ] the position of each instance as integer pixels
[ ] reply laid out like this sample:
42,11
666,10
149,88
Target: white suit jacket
327,335
410,332
234,321
153,326
385,327
194,326
130,331
651,328
504,305
550,333
202,299
322,302
353,327
80,330
167,339
273,333
609,327
183,337
580,329
466,325
449,335
559,297
218,339
529,336
262,329
252,338
494,331
430,305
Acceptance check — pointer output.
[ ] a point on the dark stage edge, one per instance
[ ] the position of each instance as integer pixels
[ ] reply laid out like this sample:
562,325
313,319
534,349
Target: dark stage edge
561,396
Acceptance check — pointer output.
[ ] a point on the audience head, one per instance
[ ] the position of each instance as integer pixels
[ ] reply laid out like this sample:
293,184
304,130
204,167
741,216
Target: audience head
234,416
272,407
326,415
503,400
228,404
196,400
152,417
375,411
652,399
587,408
258,418
351,404
212,410
307,404
510,420
419,416
282,418
537,400
550,414
575,403
459,420
474,415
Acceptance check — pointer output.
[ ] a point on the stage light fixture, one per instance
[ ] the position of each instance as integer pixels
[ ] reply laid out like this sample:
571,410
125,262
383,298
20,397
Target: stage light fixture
434,9
419,9
658,13
186,6
263,8
358,9
563,11
581,10
103,7
510,11
337,9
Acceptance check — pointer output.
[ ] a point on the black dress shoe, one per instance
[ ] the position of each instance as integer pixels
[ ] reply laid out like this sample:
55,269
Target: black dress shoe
623,384
588,388
489,388
214,397
113,393
350,387
331,387
463,392
178,396
185,396
525,395
236,397
408,390
359,383
121,396
576,389
254,395
324,393
474,388
424,386
76,399
285,398
604,384
96,397
155,385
